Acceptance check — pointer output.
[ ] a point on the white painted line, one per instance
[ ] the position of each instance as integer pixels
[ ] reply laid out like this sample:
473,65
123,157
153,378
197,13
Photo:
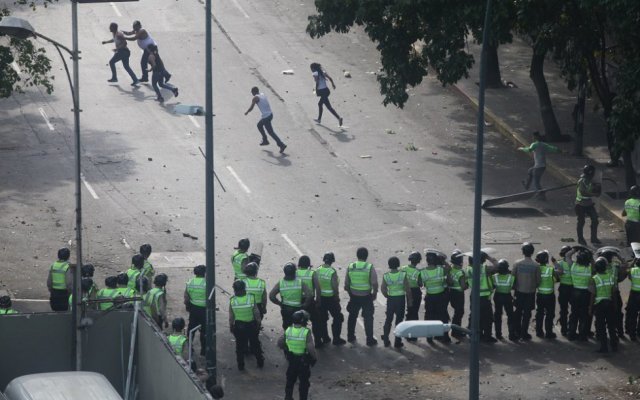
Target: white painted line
242,185
32,300
235,2
124,242
89,188
46,119
14,65
115,9
195,122
293,245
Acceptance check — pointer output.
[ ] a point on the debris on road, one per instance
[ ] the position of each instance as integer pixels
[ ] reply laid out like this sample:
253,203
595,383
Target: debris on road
287,72
346,74
410,147
184,234
390,131
365,156
149,159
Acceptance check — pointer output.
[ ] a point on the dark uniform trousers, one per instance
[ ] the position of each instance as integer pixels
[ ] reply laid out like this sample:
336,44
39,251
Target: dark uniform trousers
414,308
356,303
486,316
59,300
395,308
287,313
604,313
633,231
633,310
564,299
198,316
247,340
299,369
314,316
435,308
618,314
579,319
524,305
545,311
456,299
330,305
503,301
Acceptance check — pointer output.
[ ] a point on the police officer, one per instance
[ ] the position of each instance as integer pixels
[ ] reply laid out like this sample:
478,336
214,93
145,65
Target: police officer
307,274
134,272
413,276
298,346
238,259
177,340
147,267
326,282
585,191
546,297
633,302
617,268
527,279
256,286
580,278
395,286
457,282
486,288
124,291
195,301
107,293
244,322
5,306
632,212
60,281
86,286
155,301
563,270
361,283
293,294
602,286
503,300
87,271
434,279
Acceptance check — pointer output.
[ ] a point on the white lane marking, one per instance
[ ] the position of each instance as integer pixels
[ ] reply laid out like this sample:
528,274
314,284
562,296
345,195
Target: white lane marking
124,242
195,122
16,68
242,185
115,9
46,119
235,2
32,300
293,245
89,188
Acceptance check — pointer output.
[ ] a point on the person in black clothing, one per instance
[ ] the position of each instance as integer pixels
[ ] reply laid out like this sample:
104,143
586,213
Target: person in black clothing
158,77
322,91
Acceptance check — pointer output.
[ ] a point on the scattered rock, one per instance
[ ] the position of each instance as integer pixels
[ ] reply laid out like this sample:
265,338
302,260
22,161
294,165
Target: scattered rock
346,74
149,159
287,72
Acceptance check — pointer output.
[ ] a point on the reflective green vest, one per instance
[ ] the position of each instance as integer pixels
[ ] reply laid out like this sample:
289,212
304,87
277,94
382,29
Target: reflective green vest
579,195
580,276
486,286
395,283
147,270
177,342
632,207
634,276
59,275
359,273
7,311
106,294
197,291
291,292
433,279
325,277
306,274
236,261
256,287
150,300
565,278
296,340
133,274
503,283
126,292
84,300
546,282
412,275
604,286
456,274
242,307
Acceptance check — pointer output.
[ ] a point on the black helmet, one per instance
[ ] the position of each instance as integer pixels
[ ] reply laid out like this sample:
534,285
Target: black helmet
87,270
600,265
362,253
542,257
64,254
243,244
304,262
145,285
137,261
394,262
145,249
634,191
289,270
564,250
583,257
300,317
527,249
256,258
503,265
329,258
457,257
160,280
123,278
239,287
415,257
588,170
200,270
5,301
431,257
178,324
251,269
111,282
86,284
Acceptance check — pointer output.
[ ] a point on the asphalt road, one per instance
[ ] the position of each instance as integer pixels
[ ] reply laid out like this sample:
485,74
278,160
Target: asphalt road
334,189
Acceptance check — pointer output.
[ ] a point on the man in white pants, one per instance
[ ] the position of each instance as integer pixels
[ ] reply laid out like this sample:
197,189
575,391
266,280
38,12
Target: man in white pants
265,120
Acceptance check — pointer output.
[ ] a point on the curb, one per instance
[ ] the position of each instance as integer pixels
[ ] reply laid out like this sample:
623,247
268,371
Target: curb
610,209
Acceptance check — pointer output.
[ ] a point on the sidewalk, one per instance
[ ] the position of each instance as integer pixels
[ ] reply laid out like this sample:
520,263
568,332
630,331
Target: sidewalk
514,112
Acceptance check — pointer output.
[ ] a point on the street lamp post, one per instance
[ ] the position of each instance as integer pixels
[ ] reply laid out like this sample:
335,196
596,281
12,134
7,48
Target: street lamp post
20,28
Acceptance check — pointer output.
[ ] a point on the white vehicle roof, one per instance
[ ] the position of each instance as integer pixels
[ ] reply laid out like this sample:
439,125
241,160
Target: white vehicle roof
76,385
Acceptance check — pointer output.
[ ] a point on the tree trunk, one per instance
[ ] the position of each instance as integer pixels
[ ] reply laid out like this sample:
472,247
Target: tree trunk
536,73
629,172
578,115
494,80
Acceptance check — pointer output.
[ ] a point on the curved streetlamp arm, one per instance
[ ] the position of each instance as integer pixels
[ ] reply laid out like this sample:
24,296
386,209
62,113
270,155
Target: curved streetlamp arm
40,35
66,68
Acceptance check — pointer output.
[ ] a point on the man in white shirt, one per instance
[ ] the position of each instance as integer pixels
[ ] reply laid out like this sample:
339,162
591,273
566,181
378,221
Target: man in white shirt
265,120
